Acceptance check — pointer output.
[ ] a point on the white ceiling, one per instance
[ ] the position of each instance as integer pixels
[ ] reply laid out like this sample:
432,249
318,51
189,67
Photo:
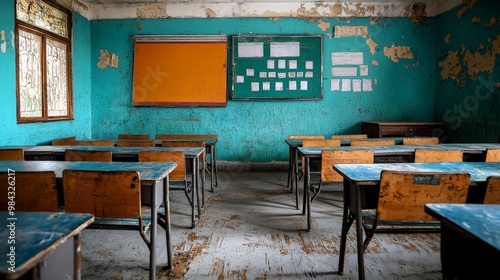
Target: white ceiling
107,2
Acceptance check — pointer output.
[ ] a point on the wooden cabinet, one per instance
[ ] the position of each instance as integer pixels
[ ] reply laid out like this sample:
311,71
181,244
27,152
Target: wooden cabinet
377,129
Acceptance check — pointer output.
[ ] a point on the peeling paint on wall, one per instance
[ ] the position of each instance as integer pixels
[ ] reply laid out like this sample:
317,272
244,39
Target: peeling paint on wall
375,62
323,25
3,44
467,4
418,13
303,12
371,44
475,20
336,9
491,23
447,39
107,59
478,62
152,11
210,13
451,66
395,53
350,31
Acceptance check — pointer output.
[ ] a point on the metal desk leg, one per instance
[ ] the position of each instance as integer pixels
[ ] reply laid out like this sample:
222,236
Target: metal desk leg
345,227
359,233
289,183
152,240
214,167
168,230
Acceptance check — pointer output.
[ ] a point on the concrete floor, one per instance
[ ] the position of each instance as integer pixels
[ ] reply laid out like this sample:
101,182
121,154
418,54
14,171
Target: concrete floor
250,229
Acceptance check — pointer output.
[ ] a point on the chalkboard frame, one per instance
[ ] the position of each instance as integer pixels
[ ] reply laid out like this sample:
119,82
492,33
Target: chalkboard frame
311,50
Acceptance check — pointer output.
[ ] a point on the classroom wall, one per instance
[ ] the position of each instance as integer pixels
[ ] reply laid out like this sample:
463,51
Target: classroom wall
397,51
467,95
38,133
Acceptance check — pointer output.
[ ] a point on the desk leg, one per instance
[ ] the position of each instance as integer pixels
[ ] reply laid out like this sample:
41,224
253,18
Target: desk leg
347,220
154,223
196,188
78,257
214,167
289,183
168,230
359,233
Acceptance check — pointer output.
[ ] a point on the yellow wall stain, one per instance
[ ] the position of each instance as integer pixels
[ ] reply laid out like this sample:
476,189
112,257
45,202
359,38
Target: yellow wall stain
467,4
374,62
152,11
447,39
371,44
323,25
475,20
451,66
491,22
350,31
395,53
336,9
210,13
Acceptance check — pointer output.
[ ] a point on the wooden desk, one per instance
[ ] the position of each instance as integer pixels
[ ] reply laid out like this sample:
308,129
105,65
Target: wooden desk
42,240
154,175
122,154
361,183
382,154
470,239
377,129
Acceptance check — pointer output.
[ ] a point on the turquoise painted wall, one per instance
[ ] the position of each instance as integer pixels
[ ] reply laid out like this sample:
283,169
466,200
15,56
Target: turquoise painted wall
467,95
255,131
37,133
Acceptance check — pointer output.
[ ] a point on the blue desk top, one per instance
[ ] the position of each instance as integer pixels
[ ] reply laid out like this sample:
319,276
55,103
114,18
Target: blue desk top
479,220
47,149
35,234
371,172
150,171
400,149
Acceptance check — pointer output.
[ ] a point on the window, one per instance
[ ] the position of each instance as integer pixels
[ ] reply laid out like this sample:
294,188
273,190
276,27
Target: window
44,86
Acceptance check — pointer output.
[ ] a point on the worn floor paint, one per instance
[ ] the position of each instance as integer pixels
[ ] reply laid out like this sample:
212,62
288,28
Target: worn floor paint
249,229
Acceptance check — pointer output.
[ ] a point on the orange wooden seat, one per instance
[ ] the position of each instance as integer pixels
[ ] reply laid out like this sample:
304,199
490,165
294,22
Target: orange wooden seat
493,155
11,154
64,141
435,155
349,136
492,195
110,143
372,142
133,137
135,143
82,155
420,141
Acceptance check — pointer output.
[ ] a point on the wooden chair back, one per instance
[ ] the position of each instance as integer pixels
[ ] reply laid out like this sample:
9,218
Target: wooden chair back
134,143
372,142
11,154
109,143
420,141
493,155
492,195
349,136
106,194
81,155
179,173
133,137
34,191
186,136
187,143
320,143
64,141
403,194
435,155
331,157
298,137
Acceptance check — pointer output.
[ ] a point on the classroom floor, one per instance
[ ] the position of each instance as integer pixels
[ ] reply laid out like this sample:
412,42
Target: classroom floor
250,229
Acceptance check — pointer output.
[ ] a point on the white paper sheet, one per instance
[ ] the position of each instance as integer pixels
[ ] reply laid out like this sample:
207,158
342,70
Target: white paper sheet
240,79
292,85
291,74
266,86
300,74
356,85
251,49
309,65
271,74
262,74
285,49
250,72
270,64
255,86
363,70
347,58
309,74
335,85
367,85
344,71
292,64
281,64
281,75
303,85
278,86
346,85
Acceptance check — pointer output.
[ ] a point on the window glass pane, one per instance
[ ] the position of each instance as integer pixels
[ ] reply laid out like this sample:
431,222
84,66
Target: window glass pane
30,76
57,90
42,15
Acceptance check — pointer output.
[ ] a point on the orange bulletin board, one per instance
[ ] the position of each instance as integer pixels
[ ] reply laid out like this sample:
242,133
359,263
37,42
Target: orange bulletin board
180,70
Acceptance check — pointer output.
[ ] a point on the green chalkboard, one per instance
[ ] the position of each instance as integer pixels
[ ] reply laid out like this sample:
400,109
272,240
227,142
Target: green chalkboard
277,67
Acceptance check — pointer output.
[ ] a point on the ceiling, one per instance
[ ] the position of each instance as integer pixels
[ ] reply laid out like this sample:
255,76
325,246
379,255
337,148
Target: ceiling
107,2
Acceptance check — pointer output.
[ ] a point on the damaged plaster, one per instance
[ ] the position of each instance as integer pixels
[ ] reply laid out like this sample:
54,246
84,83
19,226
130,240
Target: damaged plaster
372,45
3,44
482,60
418,13
467,4
395,53
107,59
152,11
491,23
323,25
447,39
350,31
